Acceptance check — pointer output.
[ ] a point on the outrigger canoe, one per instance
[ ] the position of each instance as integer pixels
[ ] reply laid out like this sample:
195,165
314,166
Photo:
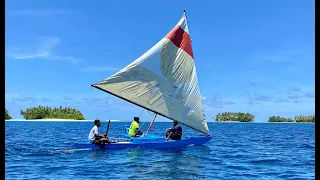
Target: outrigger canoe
164,81
151,141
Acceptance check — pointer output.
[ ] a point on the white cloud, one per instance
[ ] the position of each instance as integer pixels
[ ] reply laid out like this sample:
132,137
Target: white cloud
27,56
216,101
42,49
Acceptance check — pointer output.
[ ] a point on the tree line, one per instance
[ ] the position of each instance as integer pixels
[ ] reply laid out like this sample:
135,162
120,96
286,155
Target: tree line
46,112
279,119
246,117
7,115
235,116
310,118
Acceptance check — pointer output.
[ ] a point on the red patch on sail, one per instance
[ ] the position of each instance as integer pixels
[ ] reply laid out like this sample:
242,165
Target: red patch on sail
181,39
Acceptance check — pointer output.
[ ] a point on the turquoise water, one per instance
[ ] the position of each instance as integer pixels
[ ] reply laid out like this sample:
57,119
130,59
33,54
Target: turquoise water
43,150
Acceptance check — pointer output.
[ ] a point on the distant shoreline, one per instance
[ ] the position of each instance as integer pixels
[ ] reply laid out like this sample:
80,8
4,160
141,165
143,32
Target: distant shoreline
61,120
113,120
231,121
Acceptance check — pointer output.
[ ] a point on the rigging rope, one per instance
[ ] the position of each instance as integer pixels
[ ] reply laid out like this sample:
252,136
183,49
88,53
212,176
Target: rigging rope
141,113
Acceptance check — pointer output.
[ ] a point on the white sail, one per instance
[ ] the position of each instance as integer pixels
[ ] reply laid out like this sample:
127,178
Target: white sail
163,80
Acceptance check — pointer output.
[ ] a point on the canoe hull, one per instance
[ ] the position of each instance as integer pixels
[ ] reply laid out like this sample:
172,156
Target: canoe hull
147,142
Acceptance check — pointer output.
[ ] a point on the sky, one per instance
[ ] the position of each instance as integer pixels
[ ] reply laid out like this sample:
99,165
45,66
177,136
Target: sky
251,56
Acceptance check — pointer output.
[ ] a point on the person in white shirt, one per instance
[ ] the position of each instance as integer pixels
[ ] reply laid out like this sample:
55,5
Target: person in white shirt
95,137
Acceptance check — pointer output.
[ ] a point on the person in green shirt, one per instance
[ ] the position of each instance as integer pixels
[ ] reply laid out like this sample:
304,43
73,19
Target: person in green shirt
134,129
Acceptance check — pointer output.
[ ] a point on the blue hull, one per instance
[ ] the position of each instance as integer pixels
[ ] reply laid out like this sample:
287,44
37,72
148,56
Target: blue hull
155,142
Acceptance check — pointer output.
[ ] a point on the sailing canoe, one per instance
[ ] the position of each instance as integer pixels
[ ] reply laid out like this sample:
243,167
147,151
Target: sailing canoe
164,81
151,141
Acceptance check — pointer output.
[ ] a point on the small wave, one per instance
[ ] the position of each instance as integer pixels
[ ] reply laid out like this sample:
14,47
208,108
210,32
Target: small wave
35,152
233,156
16,149
237,167
71,150
307,146
264,161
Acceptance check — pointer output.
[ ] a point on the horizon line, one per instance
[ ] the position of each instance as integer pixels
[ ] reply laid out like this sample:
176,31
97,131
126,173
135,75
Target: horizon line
114,120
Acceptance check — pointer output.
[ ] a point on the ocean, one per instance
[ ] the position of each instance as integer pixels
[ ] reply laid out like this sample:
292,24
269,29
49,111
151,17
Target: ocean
43,150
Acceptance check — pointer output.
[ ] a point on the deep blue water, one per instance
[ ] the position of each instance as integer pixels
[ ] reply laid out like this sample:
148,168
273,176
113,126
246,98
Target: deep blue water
43,150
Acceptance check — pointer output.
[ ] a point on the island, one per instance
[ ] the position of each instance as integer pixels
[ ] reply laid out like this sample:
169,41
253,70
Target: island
234,117
297,119
279,119
310,118
7,114
45,112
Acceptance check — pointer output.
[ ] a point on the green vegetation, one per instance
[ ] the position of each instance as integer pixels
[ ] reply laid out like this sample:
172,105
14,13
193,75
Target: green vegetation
7,115
279,119
42,112
296,119
235,116
305,118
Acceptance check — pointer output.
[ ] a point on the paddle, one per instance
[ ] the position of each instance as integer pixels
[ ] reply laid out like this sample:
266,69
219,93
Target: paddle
106,135
107,129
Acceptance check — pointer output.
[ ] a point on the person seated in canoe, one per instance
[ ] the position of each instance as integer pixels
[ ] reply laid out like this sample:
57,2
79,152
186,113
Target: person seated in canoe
134,129
175,132
96,138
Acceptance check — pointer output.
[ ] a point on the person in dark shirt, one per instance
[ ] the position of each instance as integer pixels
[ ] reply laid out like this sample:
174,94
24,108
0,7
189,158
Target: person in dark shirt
175,132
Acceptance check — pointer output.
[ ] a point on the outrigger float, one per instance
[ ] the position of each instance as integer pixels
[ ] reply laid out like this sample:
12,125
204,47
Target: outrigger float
164,81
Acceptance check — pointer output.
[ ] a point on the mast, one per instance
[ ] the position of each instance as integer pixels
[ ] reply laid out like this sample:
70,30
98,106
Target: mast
154,117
